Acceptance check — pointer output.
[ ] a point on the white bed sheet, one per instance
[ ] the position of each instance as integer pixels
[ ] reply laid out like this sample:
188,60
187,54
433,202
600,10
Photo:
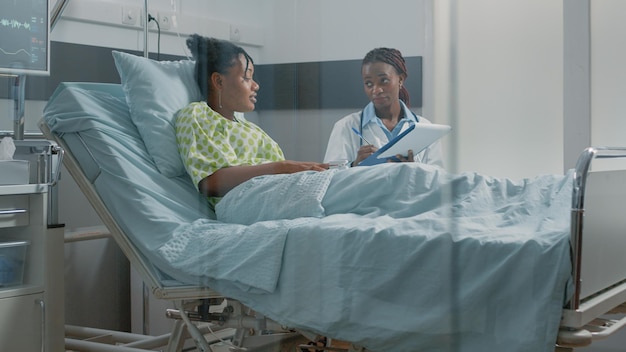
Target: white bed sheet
492,279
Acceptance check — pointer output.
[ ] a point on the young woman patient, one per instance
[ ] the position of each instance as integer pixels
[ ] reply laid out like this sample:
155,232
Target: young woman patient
219,149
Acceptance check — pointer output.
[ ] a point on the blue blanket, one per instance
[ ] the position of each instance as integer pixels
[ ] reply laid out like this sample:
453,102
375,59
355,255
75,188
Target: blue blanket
407,254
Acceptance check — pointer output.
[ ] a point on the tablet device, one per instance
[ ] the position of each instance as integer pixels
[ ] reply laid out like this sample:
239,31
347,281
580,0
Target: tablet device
417,138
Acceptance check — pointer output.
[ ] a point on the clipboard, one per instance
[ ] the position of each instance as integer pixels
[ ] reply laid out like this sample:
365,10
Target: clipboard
417,138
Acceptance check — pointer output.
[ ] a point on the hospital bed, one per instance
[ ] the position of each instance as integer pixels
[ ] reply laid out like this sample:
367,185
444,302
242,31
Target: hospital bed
529,295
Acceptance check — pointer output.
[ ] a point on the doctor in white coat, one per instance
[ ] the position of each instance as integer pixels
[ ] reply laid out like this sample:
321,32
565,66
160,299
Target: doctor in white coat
360,134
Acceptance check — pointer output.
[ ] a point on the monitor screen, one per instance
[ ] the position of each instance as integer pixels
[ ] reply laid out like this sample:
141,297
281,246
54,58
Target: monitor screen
24,37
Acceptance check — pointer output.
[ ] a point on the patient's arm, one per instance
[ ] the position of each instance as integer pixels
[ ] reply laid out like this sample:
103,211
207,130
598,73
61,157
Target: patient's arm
227,178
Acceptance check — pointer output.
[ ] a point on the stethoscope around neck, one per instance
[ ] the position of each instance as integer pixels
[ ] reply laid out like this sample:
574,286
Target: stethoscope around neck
361,125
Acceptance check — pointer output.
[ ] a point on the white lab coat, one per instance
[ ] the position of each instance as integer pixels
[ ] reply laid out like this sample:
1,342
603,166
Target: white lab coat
344,144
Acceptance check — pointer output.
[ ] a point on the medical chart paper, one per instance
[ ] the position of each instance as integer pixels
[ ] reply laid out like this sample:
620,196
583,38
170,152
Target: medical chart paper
417,138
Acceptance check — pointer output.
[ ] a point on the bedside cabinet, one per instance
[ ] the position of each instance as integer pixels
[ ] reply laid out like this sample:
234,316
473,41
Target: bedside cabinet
31,272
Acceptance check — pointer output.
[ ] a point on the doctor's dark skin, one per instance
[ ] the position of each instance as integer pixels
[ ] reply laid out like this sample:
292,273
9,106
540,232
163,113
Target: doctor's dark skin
382,83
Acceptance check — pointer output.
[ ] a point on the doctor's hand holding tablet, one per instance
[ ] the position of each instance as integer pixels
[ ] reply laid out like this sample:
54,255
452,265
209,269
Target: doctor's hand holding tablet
368,149
402,148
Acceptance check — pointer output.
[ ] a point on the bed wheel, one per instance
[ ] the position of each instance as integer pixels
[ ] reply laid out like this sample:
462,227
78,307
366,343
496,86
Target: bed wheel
328,345
320,341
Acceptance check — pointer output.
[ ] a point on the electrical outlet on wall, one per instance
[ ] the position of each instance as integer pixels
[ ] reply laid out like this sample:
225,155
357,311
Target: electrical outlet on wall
235,33
167,20
130,15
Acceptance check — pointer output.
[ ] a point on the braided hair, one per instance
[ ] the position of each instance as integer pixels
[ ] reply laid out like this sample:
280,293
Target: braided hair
394,58
213,55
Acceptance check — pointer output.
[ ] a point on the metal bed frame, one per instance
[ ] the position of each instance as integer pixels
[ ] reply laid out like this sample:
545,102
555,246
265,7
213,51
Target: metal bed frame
584,318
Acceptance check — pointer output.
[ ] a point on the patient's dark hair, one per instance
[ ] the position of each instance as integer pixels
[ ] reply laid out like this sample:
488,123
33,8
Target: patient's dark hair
213,55
394,58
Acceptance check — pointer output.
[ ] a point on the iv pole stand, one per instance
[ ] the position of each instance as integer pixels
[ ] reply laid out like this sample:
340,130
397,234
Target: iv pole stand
17,90
145,294
145,28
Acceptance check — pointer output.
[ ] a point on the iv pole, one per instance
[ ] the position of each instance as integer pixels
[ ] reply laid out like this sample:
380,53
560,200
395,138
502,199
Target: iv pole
145,28
145,294
17,93
55,15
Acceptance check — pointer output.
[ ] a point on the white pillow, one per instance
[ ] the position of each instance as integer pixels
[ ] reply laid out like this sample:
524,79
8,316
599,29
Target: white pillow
155,91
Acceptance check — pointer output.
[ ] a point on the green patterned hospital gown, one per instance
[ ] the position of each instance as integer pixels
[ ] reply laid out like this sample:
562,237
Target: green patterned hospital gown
208,142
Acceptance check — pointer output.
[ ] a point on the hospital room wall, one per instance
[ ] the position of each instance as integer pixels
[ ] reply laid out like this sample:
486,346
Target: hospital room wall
499,83
528,84
608,72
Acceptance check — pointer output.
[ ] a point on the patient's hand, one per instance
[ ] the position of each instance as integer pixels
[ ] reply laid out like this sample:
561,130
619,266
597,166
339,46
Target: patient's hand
291,166
223,180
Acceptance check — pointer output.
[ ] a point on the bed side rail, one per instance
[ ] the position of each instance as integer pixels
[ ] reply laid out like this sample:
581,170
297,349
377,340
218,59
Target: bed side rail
581,172
590,318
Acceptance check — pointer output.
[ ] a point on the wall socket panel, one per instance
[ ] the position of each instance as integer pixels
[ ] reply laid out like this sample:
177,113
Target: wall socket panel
167,20
130,15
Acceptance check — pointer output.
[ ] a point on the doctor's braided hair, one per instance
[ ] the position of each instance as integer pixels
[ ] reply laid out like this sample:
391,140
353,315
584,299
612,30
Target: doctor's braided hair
213,55
394,58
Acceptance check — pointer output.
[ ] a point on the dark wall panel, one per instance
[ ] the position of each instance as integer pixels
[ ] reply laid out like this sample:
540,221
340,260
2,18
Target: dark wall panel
324,85
311,85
